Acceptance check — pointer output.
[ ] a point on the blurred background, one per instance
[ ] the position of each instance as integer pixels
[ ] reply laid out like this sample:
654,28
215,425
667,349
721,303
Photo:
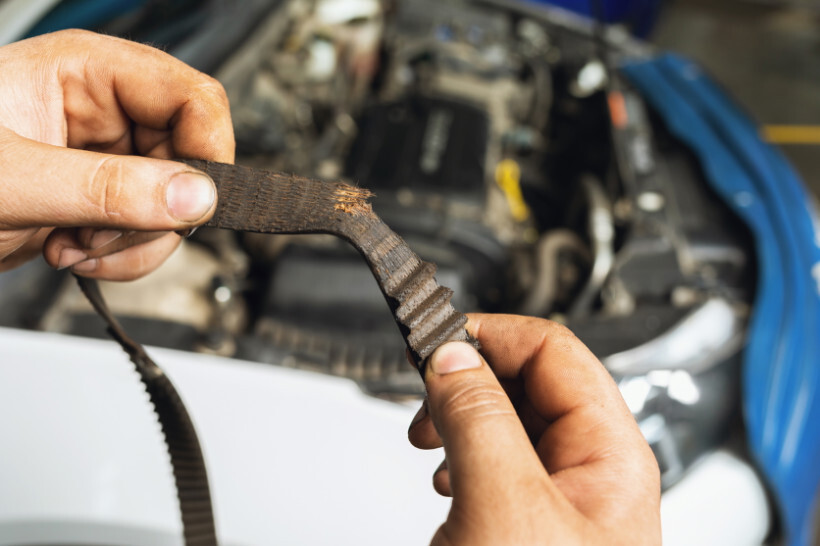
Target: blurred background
508,145
766,53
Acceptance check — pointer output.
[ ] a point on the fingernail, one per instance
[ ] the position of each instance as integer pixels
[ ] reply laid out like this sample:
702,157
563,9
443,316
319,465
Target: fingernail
69,257
189,196
454,357
186,232
104,237
86,267
421,414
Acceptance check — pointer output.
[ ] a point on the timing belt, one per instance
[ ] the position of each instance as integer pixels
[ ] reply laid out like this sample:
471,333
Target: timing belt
271,202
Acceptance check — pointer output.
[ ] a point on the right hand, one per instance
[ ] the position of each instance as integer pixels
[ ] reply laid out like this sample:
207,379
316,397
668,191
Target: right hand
540,447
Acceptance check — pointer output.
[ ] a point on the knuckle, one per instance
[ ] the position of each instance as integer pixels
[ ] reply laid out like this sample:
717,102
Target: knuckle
79,40
475,401
561,332
212,91
76,33
552,328
104,191
558,338
209,104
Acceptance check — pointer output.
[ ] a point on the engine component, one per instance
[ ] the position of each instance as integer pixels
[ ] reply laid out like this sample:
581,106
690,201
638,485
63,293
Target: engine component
425,160
602,236
709,334
503,145
433,145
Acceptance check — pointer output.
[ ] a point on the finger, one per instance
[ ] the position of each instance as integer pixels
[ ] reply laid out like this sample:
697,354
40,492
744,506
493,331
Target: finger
94,238
488,453
153,89
48,185
422,433
441,480
67,247
560,373
20,246
131,263
102,242
121,242
590,436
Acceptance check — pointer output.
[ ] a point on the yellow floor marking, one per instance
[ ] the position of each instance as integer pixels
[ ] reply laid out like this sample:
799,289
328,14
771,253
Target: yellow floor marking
791,134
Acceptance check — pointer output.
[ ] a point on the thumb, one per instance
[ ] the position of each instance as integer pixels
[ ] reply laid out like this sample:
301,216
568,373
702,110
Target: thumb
488,451
45,185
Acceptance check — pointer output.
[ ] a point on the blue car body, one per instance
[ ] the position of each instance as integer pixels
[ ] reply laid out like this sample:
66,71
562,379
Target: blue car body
781,375
639,14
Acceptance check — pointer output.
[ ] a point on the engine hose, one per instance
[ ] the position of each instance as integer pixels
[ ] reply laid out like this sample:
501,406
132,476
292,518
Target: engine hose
541,297
602,237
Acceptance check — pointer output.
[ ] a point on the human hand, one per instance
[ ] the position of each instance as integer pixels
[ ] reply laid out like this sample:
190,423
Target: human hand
75,110
543,451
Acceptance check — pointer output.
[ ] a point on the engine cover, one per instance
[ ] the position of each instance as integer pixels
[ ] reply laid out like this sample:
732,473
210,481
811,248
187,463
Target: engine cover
423,144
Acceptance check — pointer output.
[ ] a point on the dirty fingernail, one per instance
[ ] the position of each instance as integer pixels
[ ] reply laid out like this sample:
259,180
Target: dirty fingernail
69,257
104,237
86,267
454,357
190,196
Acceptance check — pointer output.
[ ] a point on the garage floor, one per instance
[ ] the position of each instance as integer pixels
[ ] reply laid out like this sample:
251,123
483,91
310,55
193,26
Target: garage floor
767,53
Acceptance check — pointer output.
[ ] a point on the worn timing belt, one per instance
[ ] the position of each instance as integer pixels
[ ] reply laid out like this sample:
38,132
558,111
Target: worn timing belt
271,202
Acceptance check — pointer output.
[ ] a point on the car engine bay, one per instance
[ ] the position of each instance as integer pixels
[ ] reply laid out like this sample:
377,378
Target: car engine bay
503,146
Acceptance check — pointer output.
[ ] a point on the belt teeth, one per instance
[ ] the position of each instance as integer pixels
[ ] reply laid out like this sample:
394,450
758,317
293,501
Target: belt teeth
412,315
425,311
451,329
412,275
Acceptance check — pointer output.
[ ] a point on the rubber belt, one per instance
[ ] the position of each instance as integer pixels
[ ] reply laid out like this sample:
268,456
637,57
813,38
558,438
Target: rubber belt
271,202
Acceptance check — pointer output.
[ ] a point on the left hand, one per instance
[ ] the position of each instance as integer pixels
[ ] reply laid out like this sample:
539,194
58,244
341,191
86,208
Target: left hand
75,107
